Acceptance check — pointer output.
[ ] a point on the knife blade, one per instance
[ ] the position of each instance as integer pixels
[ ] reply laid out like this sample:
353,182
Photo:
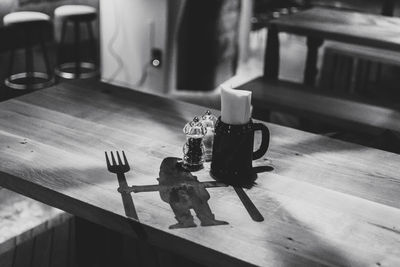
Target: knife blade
249,205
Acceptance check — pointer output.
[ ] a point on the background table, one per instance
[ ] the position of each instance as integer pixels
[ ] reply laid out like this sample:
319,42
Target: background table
319,24
325,202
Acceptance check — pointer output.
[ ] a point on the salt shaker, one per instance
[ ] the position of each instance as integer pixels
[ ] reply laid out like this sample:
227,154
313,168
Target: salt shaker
193,150
208,120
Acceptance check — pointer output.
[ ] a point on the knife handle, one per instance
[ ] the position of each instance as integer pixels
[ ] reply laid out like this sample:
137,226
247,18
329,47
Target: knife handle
249,205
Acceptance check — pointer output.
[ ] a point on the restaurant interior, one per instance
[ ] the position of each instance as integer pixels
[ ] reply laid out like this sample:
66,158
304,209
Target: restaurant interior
319,79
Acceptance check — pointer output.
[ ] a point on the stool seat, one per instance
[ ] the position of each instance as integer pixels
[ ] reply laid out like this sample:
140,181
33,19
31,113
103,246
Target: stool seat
67,11
27,29
24,17
77,15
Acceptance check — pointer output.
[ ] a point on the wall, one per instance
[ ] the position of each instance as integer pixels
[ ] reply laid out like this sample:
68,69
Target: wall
125,42
207,44
129,29
175,12
244,29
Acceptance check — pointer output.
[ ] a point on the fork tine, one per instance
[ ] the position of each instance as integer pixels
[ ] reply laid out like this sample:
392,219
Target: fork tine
113,159
108,161
126,161
119,159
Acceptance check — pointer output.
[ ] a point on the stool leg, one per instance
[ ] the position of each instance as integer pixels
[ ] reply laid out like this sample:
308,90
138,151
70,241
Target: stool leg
12,54
77,50
366,75
59,52
28,58
11,63
45,56
92,41
332,78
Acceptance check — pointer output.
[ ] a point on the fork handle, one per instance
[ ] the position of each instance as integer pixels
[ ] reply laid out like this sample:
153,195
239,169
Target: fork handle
127,200
122,180
129,207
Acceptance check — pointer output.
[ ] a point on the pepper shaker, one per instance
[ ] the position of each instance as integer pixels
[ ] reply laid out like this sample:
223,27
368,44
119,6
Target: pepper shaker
193,150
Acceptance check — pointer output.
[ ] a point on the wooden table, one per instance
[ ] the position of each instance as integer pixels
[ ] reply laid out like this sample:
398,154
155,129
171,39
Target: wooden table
319,24
325,202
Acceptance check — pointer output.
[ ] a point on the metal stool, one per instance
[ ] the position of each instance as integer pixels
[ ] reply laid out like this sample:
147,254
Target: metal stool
76,14
28,28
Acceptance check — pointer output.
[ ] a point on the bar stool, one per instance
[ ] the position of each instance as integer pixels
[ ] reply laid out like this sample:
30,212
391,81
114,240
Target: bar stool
27,29
76,14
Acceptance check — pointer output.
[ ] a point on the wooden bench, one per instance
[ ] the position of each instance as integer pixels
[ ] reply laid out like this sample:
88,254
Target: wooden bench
363,52
32,233
364,64
304,102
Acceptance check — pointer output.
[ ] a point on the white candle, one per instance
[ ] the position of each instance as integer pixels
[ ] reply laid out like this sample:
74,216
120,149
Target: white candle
235,106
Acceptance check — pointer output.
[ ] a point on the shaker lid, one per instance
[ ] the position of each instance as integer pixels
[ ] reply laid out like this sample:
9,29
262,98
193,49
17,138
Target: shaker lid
195,128
208,119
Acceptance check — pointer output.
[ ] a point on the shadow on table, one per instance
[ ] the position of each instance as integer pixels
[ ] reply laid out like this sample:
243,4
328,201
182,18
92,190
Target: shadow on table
183,192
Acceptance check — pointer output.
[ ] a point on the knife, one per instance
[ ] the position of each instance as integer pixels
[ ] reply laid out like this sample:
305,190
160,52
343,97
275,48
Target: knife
249,205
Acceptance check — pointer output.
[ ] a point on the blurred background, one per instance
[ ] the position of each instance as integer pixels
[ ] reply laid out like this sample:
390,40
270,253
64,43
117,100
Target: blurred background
185,49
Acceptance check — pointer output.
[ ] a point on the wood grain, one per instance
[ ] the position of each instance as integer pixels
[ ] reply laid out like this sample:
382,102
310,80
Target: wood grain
325,203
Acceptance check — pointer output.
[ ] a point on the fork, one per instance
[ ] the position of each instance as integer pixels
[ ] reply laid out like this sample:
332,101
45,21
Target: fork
120,169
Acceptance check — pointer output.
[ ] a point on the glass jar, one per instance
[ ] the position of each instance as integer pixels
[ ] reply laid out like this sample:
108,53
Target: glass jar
193,150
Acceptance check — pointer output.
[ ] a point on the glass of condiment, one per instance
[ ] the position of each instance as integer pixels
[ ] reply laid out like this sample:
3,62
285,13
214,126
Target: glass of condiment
193,150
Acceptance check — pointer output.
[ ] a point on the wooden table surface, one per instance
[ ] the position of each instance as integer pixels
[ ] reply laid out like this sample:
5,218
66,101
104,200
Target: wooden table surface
320,24
325,202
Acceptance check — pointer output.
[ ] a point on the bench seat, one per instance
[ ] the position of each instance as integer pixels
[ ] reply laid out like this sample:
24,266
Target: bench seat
343,112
